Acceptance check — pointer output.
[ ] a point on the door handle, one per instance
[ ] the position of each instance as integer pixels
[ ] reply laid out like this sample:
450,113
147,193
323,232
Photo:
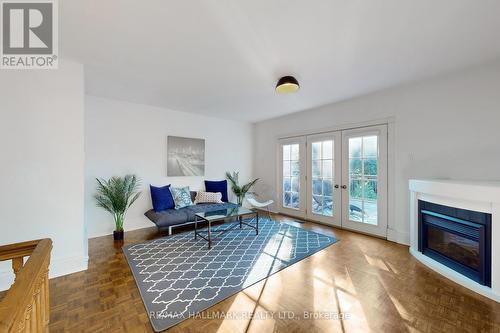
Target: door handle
344,186
336,186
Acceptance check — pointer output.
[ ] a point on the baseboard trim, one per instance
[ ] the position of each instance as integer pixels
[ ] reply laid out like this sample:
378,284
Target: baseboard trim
136,227
68,265
58,267
398,237
392,235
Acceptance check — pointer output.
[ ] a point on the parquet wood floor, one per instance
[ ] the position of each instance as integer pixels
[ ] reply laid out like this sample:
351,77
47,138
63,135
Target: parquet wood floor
376,284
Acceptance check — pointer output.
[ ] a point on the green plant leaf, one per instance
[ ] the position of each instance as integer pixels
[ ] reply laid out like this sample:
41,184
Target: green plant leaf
239,191
116,195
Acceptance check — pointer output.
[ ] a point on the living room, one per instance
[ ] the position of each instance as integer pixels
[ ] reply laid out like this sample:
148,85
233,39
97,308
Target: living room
367,131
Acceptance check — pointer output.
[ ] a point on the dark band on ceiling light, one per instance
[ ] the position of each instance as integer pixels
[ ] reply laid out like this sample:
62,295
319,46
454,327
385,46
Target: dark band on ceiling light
287,84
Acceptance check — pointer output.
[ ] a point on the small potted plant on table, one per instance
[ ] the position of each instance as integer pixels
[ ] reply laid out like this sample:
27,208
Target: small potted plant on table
239,191
116,195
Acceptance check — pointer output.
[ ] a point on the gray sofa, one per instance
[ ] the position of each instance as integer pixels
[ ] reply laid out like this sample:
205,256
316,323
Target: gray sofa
170,218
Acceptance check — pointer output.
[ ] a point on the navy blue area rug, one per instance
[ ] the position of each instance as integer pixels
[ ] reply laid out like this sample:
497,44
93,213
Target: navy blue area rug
179,276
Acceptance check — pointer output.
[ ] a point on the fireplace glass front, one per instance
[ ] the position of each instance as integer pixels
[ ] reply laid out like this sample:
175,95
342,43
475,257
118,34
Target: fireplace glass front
455,247
457,238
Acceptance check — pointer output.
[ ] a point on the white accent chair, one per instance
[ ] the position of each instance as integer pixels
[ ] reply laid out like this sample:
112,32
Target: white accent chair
260,205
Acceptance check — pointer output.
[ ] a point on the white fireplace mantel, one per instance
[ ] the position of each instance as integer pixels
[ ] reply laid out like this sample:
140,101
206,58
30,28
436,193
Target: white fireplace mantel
481,196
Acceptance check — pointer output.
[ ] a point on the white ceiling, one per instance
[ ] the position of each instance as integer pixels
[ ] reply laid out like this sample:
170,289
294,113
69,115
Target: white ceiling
223,57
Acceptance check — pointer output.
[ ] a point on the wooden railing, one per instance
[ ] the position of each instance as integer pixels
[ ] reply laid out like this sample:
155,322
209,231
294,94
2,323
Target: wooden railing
25,308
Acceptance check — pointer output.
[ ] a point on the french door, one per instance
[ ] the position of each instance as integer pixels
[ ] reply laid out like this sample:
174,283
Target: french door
293,176
323,178
364,180
338,178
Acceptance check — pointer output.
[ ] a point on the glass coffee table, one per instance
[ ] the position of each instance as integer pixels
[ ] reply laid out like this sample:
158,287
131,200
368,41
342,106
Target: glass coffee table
224,215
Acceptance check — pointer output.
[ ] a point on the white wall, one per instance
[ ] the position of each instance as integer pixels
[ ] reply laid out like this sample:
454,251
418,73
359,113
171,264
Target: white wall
447,127
123,138
42,161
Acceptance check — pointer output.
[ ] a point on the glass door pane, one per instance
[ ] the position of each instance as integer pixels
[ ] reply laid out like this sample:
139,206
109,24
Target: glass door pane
291,176
363,179
322,178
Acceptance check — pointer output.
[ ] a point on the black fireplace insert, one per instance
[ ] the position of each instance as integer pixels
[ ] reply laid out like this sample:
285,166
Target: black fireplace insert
457,238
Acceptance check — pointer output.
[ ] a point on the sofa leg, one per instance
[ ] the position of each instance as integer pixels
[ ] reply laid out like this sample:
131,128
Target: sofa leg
170,231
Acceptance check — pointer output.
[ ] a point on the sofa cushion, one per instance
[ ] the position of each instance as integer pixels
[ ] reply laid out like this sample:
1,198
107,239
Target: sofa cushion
168,217
172,217
217,186
208,197
161,198
182,197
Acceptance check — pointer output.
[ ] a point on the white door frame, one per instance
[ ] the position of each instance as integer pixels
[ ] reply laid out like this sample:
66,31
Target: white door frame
301,211
392,233
381,228
336,219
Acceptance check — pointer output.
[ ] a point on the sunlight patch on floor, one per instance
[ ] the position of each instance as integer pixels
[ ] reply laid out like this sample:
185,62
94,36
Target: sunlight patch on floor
325,302
400,308
392,267
323,292
241,305
379,263
349,304
263,321
268,292
276,251
344,282
255,291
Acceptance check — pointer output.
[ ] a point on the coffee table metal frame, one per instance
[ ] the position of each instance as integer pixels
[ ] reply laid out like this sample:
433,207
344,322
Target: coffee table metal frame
240,222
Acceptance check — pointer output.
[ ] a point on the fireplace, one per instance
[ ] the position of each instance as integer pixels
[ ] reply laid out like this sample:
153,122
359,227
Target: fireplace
457,238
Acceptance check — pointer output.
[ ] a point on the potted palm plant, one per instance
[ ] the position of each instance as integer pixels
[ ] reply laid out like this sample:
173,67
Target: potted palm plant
239,191
116,195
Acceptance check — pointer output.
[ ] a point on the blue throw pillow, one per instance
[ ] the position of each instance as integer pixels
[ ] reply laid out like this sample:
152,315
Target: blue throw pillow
217,186
182,197
161,198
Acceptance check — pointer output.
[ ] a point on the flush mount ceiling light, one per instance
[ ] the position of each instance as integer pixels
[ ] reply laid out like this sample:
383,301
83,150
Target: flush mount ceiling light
287,84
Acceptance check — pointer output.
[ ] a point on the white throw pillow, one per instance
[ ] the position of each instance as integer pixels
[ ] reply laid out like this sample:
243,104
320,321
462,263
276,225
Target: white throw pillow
208,197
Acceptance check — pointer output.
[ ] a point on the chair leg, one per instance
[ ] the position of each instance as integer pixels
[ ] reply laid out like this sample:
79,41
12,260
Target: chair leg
269,213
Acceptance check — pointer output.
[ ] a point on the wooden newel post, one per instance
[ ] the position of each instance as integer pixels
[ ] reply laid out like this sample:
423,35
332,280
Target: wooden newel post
17,264
25,308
